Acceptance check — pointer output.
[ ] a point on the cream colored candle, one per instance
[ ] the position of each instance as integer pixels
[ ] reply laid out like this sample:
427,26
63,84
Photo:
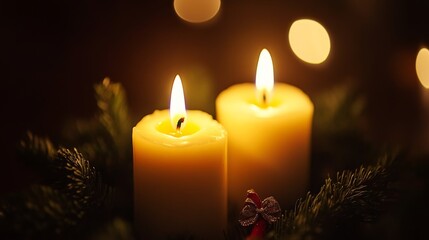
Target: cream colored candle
179,174
269,128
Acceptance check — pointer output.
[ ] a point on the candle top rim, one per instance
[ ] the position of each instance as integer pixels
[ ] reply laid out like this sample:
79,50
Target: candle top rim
209,129
287,99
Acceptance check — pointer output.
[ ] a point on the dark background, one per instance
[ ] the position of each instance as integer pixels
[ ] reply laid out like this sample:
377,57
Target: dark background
53,52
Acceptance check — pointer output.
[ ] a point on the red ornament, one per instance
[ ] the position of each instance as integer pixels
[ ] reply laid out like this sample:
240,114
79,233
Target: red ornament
258,213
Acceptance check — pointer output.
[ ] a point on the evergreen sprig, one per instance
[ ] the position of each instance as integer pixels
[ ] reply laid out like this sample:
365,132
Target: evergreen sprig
41,212
105,139
73,193
339,139
115,229
79,180
37,151
114,116
53,210
358,194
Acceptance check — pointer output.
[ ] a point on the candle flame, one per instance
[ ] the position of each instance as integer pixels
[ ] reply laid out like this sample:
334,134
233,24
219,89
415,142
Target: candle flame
422,67
264,78
177,105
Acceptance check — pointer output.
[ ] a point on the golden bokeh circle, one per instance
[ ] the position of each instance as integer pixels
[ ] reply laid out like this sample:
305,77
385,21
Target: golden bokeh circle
309,41
422,67
197,11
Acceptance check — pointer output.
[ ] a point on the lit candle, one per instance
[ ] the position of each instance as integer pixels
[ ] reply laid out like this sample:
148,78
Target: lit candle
179,173
268,137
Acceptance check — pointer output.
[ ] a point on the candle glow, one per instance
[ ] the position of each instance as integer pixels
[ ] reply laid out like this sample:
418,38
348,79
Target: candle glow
170,175
268,143
177,105
264,78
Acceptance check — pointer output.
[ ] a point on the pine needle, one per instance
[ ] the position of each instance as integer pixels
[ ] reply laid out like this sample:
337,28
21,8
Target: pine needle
36,151
78,178
358,194
39,213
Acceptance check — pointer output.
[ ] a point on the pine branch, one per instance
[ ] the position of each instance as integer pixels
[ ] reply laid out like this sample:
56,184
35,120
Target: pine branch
339,110
77,192
111,100
69,171
116,229
79,180
105,139
338,131
36,151
359,194
39,213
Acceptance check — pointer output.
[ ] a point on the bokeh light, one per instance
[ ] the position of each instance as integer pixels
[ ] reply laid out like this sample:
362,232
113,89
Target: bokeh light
309,41
422,67
197,11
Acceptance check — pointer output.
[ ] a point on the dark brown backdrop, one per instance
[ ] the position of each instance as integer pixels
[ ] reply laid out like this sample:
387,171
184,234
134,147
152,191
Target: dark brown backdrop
53,52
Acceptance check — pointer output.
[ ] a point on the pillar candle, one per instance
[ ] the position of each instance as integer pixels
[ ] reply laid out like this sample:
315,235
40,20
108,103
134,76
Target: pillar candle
179,173
269,128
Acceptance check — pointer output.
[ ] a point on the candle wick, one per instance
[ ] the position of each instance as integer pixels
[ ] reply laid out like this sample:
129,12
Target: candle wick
264,102
264,97
179,123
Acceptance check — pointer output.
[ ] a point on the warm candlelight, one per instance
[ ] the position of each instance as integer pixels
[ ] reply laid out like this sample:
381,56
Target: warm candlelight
264,78
268,137
179,173
177,105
